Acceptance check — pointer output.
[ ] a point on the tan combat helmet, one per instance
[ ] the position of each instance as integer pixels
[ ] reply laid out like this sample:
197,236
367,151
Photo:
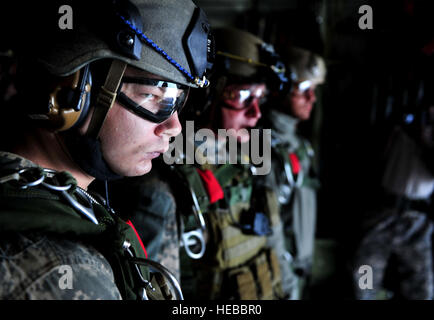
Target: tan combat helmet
306,66
244,55
242,50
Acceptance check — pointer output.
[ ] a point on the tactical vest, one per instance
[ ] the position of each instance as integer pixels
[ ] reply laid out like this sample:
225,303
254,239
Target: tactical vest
31,201
236,264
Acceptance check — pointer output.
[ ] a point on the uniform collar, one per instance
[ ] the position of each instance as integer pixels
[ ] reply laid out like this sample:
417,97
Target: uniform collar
283,126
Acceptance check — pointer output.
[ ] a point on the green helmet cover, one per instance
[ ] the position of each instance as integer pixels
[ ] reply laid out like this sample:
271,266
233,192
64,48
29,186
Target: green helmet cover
179,28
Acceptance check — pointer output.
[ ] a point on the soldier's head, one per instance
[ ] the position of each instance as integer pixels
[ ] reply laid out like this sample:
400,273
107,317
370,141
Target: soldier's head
113,85
308,70
244,68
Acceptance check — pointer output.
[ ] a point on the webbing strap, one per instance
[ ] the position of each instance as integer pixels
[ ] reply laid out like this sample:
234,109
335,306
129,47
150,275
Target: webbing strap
195,182
276,276
272,209
246,285
106,97
263,273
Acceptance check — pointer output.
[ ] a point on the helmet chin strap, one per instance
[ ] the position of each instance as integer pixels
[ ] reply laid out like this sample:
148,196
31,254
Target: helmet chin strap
106,97
86,149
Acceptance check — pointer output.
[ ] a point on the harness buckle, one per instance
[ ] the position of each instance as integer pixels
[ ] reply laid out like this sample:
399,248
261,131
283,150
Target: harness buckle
159,268
192,239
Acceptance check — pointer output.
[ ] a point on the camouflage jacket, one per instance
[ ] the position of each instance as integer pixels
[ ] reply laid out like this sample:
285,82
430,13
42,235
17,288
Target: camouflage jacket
49,251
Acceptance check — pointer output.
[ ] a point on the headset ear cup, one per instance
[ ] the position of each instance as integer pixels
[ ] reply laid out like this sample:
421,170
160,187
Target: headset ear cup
71,102
56,103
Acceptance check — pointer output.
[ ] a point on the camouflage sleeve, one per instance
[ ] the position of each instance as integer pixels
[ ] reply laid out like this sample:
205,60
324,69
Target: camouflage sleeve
169,254
40,267
71,282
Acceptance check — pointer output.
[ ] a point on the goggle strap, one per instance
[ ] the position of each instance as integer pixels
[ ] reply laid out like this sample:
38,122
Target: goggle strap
106,97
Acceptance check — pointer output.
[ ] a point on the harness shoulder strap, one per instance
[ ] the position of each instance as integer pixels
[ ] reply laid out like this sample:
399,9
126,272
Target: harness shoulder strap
194,181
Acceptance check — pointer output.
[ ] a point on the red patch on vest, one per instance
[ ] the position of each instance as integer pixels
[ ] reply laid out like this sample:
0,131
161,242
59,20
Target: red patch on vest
212,186
295,163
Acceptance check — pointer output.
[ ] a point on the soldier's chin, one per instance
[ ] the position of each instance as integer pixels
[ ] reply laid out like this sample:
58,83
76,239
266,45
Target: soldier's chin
143,167
305,115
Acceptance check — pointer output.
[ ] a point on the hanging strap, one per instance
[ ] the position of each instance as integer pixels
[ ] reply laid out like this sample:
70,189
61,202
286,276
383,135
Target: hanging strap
106,97
193,180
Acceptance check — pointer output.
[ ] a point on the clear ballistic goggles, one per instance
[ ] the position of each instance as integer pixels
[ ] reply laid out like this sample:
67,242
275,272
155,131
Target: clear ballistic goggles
242,97
152,99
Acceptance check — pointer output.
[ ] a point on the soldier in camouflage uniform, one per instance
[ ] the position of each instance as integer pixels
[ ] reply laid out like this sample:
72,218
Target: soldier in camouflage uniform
113,103
232,208
397,236
292,175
